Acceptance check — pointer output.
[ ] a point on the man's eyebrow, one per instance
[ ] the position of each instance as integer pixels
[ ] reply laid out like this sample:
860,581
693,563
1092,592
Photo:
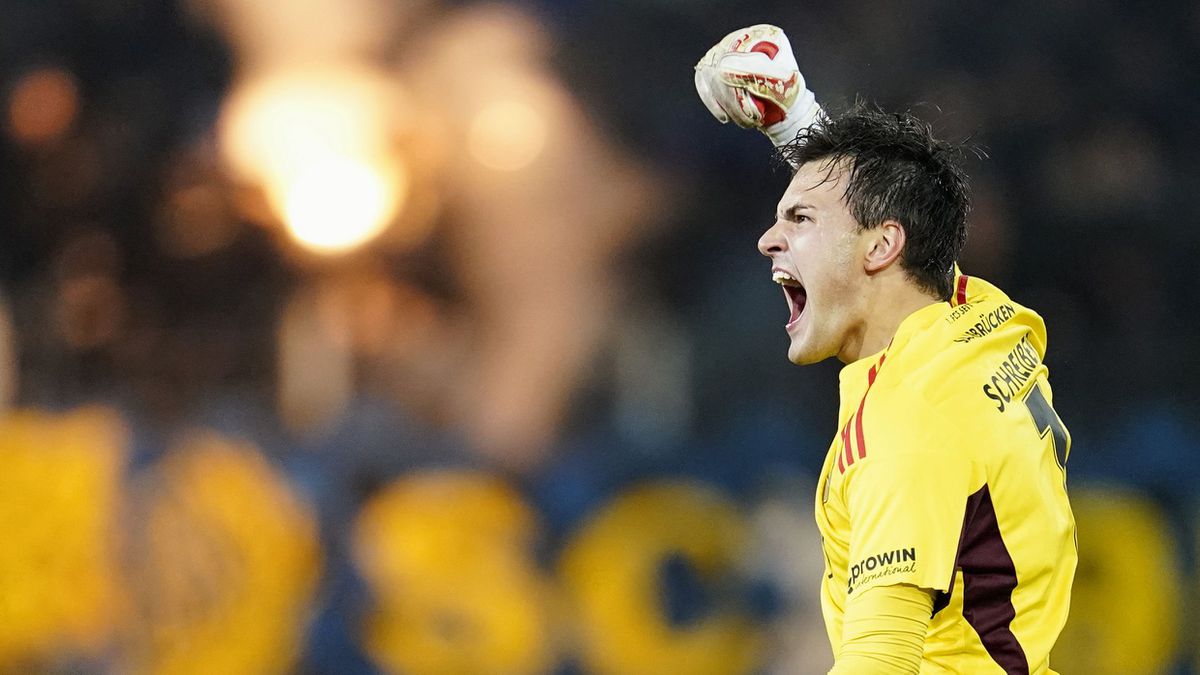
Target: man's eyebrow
790,212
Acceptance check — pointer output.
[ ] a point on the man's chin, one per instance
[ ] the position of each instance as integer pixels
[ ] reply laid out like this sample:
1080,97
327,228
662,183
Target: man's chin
804,355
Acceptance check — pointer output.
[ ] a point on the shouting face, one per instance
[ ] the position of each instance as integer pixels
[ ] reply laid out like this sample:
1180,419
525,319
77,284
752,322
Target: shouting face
817,251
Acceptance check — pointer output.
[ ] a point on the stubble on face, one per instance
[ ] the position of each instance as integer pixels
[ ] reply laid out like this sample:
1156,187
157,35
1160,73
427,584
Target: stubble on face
824,248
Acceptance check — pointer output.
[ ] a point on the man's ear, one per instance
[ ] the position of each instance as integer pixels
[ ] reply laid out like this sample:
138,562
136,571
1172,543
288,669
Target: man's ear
885,244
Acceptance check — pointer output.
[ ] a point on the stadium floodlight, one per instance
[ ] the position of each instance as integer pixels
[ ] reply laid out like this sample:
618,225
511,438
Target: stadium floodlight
340,203
319,144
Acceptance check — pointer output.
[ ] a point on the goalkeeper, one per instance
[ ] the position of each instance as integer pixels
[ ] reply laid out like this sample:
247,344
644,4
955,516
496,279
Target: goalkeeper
948,538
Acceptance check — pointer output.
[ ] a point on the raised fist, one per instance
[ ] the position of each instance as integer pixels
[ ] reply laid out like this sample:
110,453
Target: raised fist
751,78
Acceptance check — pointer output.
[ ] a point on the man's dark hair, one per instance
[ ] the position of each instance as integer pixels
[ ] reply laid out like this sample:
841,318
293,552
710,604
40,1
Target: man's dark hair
897,170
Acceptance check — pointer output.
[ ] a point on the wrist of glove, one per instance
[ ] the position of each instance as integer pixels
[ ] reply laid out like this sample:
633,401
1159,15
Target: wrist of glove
751,78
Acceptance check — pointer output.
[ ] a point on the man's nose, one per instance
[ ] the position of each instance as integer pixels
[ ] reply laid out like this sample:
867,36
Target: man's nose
772,241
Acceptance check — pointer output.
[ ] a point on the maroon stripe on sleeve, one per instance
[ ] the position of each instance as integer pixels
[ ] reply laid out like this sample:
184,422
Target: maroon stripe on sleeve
875,369
858,424
961,295
856,420
849,451
989,578
862,442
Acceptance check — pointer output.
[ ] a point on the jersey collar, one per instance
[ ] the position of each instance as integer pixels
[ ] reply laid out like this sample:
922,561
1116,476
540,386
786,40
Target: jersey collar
853,376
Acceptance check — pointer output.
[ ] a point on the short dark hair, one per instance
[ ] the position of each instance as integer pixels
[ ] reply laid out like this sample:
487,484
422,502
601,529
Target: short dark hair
897,171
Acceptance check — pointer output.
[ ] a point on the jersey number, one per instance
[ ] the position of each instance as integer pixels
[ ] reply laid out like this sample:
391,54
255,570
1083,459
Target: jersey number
1046,420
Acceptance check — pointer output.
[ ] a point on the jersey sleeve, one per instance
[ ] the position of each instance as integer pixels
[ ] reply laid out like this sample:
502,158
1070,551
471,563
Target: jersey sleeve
906,517
884,631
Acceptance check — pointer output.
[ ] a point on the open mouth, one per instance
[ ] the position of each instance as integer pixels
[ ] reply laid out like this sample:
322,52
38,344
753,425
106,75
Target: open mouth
794,291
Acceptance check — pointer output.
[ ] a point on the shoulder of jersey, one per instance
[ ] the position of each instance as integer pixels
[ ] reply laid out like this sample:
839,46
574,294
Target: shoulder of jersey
978,328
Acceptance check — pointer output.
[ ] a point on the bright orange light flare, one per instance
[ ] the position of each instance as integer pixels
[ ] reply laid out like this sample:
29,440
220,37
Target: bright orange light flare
340,203
320,145
42,106
279,123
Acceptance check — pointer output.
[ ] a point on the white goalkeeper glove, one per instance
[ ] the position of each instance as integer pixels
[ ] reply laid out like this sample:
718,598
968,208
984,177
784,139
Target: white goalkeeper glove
751,78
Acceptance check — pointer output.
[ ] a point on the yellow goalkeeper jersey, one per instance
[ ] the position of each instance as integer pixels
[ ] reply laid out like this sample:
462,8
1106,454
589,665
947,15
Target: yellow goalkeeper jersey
949,473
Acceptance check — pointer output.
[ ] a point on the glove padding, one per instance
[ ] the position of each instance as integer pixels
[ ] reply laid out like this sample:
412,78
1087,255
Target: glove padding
751,78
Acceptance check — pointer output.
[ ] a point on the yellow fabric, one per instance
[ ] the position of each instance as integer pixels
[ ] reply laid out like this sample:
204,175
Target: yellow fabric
611,575
228,564
448,558
958,416
60,503
1128,542
884,631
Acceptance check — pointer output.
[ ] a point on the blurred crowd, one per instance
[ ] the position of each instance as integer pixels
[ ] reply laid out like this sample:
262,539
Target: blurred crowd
352,336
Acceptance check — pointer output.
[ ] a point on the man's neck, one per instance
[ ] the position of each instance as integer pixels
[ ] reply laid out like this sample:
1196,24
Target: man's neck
884,312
